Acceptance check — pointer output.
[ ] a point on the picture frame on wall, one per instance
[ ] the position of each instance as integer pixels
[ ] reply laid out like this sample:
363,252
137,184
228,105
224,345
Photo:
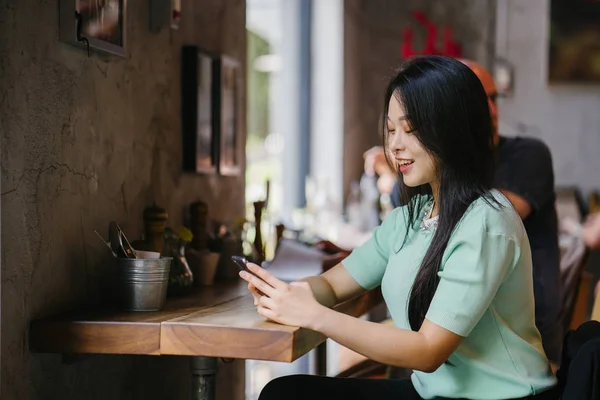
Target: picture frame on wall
98,25
227,114
199,137
573,46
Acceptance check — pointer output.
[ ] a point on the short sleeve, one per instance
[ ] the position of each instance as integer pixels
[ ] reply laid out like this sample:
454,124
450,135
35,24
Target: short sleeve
366,264
472,272
527,172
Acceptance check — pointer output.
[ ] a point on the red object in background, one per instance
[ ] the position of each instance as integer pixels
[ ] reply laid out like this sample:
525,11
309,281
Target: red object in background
406,49
431,37
449,49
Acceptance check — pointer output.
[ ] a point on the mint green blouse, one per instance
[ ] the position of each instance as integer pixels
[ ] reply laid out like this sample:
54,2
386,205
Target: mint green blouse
485,294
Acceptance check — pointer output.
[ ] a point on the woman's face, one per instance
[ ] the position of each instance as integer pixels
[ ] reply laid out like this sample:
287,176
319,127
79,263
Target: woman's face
413,161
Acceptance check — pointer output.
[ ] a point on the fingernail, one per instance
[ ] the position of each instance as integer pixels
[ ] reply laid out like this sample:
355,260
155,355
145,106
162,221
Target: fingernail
243,274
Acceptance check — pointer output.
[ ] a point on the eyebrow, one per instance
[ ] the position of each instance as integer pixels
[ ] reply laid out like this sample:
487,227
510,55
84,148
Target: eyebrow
404,118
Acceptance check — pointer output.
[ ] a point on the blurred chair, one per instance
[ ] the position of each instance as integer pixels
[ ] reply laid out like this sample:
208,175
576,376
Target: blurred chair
575,282
570,203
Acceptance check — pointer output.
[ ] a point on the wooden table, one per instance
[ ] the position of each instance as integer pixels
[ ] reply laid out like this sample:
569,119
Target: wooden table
218,321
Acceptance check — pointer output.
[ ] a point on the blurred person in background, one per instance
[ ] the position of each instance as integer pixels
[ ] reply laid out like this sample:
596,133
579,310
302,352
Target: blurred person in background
589,231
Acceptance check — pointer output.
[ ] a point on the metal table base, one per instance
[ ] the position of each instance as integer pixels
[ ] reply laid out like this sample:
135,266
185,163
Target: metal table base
204,371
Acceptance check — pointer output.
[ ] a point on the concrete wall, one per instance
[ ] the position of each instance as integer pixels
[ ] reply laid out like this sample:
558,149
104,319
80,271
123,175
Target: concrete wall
84,141
564,116
373,36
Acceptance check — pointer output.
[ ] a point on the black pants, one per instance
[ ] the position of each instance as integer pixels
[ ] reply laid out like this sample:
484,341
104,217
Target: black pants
310,387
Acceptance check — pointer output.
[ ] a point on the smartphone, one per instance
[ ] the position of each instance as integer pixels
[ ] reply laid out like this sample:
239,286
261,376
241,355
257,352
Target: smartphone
241,263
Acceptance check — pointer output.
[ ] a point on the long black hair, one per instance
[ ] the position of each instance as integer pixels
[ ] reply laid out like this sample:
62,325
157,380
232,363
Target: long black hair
446,106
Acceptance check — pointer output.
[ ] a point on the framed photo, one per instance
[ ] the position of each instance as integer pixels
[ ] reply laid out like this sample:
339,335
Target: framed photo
574,42
99,23
227,114
200,145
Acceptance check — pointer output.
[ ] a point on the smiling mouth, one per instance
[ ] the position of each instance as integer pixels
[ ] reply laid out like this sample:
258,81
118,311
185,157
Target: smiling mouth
404,165
404,162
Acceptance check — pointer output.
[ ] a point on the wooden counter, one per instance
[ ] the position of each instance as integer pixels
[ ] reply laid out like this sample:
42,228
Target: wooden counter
218,321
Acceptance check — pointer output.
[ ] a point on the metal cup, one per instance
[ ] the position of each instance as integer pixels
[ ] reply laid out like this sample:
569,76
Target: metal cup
141,283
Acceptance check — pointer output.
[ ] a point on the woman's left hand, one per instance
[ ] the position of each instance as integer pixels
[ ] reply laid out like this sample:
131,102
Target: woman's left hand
287,303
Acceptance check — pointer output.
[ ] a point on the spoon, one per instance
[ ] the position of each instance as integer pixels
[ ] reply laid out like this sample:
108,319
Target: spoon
118,241
126,245
115,239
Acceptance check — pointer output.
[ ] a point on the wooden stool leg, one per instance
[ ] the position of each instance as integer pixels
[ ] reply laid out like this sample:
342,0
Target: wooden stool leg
204,370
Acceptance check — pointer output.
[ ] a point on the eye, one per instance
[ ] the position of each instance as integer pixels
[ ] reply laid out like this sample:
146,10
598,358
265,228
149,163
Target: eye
407,128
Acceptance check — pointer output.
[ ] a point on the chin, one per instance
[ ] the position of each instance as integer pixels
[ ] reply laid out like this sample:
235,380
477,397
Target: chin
412,182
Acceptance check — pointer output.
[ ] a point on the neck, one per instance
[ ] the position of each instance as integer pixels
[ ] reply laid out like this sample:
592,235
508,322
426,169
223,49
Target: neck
435,189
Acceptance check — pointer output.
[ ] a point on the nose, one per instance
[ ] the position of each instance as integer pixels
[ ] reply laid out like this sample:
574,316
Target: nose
396,142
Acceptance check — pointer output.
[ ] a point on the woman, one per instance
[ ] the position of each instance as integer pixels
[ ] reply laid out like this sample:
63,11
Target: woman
454,266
